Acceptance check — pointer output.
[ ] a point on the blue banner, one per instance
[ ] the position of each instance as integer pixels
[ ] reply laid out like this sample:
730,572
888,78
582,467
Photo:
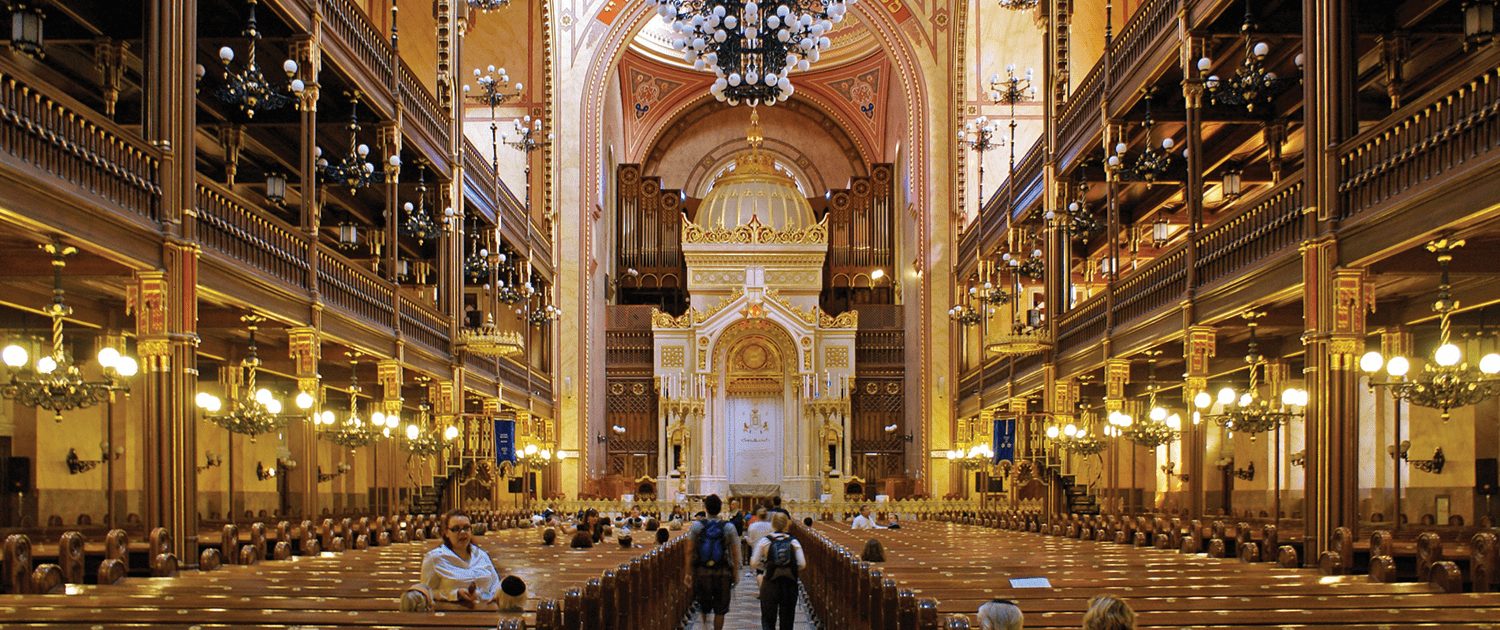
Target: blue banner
1005,441
505,441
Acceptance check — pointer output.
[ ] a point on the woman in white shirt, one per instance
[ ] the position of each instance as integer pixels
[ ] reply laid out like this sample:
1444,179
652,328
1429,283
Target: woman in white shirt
458,570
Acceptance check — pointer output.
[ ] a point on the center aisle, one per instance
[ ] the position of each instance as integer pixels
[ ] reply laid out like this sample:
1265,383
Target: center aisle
744,609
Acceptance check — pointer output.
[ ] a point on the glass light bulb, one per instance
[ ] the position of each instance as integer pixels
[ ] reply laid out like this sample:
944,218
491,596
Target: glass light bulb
45,365
1245,399
1289,397
1052,433
377,419
1174,422
1203,400
1371,361
1197,418
214,404
14,356
202,399
304,400
1398,366
1126,420
109,357
1448,355
450,433
127,366
530,449
1226,396
263,396
561,455
1490,363
273,406
1070,430
412,431
545,454
327,417
1158,414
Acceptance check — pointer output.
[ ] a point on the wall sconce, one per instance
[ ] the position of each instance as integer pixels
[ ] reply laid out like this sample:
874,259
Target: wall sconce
26,22
342,469
262,473
1170,467
1247,473
212,460
616,429
1299,458
891,429
76,465
1479,21
1434,465
109,453
276,188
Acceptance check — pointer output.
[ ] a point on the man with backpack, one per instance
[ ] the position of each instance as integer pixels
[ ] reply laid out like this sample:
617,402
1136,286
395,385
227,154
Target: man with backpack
712,562
780,556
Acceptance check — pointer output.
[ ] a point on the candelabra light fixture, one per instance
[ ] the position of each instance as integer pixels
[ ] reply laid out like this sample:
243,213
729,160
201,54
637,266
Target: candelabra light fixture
1434,465
1160,426
1446,382
538,457
1170,470
526,135
1072,439
1247,473
477,269
1077,219
540,311
211,460
249,89
752,47
488,5
1246,411
980,136
353,431
1252,86
55,382
76,465
354,170
976,457
419,223
1154,163
1018,5
342,469
422,439
282,466
251,411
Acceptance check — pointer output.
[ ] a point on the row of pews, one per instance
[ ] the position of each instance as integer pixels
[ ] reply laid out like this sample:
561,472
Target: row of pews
938,573
352,573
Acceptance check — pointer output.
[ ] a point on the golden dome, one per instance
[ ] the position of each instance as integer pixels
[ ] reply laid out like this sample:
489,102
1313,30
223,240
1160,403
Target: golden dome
754,188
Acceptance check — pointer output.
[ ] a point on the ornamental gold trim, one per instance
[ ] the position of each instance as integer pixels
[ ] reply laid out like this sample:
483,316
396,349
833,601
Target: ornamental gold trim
665,320
755,233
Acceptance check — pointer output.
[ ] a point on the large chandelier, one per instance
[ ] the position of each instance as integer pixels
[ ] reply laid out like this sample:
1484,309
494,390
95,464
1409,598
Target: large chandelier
354,170
976,457
477,263
1447,381
353,431
542,312
488,341
1077,440
1252,85
751,46
419,223
249,89
1161,426
1245,411
507,288
251,411
423,440
55,382
1077,220
1154,163
538,457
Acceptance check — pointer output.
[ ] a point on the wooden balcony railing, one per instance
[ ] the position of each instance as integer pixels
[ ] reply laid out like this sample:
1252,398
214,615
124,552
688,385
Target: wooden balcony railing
885,347
234,228
367,44
1080,115
1084,323
355,290
1456,125
78,147
1264,227
1139,39
513,374
422,325
481,174
1161,282
483,366
422,108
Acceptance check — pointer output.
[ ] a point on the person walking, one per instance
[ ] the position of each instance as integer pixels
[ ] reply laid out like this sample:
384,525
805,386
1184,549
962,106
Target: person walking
712,562
780,557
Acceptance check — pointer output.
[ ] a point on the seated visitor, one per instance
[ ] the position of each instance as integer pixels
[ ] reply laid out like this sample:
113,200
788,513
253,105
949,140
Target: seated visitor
807,521
634,521
581,540
457,570
1107,613
662,535
549,536
864,521
873,551
512,594
1000,614
652,525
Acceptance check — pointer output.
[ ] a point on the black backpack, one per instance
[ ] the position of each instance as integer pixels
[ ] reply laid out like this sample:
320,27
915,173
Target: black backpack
781,557
711,542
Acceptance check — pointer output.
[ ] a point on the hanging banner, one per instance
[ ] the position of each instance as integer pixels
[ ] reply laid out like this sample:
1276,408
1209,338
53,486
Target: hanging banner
505,441
1004,441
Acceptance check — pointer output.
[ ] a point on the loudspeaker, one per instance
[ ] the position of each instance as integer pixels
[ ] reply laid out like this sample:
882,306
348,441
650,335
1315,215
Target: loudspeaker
18,475
1484,477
